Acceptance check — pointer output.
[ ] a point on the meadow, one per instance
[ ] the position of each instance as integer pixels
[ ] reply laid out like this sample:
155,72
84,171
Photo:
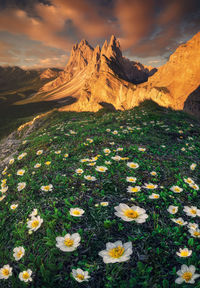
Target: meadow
115,194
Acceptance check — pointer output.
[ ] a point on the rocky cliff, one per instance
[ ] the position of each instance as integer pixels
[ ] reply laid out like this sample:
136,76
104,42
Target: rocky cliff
103,77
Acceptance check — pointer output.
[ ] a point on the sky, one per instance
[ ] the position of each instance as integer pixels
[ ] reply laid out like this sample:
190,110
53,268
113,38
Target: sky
41,33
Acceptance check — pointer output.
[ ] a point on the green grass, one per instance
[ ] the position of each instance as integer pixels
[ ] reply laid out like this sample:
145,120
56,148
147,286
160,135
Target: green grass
154,262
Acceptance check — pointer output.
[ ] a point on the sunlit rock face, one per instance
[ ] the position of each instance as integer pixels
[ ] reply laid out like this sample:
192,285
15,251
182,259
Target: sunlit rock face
102,76
50,73
178,78
96,76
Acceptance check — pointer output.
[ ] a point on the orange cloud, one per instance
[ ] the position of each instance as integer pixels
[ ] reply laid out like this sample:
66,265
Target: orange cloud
136,20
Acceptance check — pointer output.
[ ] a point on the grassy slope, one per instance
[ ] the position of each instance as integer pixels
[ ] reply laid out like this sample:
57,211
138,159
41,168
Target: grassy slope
12,115
154,261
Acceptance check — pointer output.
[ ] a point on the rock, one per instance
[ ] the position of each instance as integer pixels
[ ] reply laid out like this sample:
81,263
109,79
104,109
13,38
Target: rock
96,76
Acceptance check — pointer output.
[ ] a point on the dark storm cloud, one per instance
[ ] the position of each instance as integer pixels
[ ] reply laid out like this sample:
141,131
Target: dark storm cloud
145,27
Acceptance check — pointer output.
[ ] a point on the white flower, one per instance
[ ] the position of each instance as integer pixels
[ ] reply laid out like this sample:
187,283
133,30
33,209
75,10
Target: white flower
153,173
132,165
172,209
20,172
131,179
141,149
77,212
193,226
90,178
4,190
195,232
188,180
193,166
179,221
80,275
47,188
187,274
39,152
14,206
11,161
154,196
150,186
58,152
116,158
21,186
106,151
2,197
194,186
104,204
5,272
108,163
68,243
25,275
79,171
21,156
84,160
101,169
176,189
35,223
135,189
18,253
191,211
184,252
115,132
37,165
33,213
116,252
133,213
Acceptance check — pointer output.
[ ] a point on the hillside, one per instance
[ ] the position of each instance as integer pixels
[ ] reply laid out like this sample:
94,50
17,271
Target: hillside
95,161
17,84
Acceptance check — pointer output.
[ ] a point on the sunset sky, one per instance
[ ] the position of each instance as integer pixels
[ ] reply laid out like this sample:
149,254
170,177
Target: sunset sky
40,33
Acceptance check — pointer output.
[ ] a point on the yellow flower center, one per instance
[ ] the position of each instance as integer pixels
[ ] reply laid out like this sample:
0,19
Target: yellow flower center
189,180
25,275
193,211
80,276
76,212
68,242
187,276
184,253
19,254
101,169
196,233
133,165
116,252
5,272
156,196
174,210
130,213
134,189
150,186
179,222
176,189
35,223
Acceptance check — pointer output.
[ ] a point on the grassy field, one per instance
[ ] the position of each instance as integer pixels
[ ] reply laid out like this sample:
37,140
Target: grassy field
148,144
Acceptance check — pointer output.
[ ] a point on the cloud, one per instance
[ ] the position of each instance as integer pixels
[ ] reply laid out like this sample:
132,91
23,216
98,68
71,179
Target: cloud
7,57
150,27
135,19
56,62
144,27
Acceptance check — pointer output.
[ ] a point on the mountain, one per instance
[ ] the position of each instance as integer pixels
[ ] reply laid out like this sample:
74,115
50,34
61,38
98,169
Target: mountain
93,78
175,81
102,77
50,73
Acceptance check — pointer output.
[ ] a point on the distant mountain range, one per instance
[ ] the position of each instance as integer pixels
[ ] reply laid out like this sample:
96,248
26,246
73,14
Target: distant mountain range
102,77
